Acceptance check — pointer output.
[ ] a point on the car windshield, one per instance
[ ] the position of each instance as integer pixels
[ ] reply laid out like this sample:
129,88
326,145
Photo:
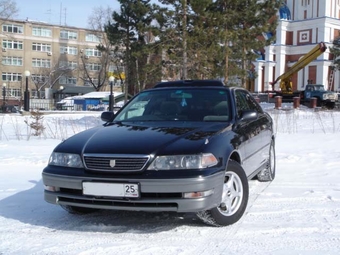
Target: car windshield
319,88
176,104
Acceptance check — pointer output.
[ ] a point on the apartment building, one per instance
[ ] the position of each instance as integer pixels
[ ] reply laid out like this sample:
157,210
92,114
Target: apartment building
44,51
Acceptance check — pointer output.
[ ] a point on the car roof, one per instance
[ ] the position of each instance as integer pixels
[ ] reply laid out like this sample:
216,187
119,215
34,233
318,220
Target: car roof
195,83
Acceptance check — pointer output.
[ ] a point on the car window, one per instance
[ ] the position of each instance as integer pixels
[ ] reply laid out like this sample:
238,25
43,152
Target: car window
244,102
320,88
191,104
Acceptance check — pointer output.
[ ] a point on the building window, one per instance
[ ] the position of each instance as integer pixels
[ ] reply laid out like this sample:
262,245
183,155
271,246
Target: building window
68,80
11,92
9,44
92,38
305,2
10,28
11,77
38,62
35,93
38,78
93,53
64,34
12,61
68,50
40,31
93,66
88,83
116,68
68,64
14,92
41,47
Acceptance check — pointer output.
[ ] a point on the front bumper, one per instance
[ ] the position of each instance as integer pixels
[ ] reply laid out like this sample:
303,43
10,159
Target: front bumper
156,194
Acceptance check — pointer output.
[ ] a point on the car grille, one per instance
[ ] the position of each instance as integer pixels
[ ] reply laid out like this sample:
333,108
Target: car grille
114,163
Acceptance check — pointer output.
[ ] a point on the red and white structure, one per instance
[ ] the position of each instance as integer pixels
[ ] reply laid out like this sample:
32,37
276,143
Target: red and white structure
301,25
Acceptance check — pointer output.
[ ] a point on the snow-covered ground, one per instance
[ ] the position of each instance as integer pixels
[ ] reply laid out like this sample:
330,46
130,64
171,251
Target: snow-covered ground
298,213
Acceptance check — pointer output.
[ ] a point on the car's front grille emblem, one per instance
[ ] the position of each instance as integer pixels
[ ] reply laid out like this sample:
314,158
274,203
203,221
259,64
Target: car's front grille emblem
115,163
112,163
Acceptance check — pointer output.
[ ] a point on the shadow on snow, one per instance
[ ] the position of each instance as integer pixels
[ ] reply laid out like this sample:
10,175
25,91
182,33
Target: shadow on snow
29,207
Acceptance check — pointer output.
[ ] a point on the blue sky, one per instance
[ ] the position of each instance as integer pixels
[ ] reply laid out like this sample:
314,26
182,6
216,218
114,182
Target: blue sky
53,11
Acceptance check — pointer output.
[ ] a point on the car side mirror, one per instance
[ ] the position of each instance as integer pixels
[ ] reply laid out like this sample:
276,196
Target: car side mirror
107,116
248,115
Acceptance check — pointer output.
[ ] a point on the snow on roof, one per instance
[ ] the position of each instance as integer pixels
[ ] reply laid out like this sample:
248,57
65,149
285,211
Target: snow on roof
96,94
100,95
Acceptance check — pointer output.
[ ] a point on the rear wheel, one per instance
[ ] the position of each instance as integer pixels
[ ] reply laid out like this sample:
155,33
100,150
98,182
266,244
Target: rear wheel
234,198
268,174
78,210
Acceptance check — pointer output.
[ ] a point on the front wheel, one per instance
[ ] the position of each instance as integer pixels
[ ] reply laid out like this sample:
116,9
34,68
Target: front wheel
330,105
234,198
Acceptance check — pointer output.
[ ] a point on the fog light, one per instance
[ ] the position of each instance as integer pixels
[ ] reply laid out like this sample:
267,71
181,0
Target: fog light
51,188
198,194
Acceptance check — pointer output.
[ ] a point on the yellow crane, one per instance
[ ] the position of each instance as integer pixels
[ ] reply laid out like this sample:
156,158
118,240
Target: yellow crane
286,85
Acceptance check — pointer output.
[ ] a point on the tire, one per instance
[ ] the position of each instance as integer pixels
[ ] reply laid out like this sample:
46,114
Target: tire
78,210
234,198
268,174
330,105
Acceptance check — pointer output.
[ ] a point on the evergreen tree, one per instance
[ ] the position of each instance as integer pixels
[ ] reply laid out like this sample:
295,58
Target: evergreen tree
335,51
173,37
189,40
249,26
204,49
196,39
128,31
221,37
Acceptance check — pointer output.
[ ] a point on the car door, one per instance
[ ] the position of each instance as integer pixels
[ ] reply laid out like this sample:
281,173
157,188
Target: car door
255,133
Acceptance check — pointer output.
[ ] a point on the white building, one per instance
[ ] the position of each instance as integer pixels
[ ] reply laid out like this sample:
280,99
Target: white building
301,25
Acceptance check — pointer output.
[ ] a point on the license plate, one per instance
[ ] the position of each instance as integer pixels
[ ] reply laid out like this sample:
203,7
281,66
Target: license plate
111,189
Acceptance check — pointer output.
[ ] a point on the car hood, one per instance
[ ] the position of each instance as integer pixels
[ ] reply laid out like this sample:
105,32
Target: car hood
327,92
141,139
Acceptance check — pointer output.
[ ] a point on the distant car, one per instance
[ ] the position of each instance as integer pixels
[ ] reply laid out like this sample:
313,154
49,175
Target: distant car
9,109
183,146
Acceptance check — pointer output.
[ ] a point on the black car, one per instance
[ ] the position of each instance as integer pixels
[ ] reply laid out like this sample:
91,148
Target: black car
183,146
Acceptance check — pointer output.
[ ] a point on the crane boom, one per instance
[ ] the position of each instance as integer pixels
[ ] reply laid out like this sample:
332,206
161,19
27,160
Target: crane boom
286,84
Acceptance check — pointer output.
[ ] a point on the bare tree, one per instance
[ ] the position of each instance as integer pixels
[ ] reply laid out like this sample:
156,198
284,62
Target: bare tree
99,17
8,8
48,77
95,69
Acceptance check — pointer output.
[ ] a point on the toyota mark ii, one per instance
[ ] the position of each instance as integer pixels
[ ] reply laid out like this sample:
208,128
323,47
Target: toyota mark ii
182,146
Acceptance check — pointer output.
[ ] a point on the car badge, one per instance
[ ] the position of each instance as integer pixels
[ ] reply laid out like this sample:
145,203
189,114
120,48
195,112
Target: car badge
112,163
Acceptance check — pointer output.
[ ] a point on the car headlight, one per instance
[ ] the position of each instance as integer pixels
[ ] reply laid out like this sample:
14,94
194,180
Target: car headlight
65,159
177,162
330,96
